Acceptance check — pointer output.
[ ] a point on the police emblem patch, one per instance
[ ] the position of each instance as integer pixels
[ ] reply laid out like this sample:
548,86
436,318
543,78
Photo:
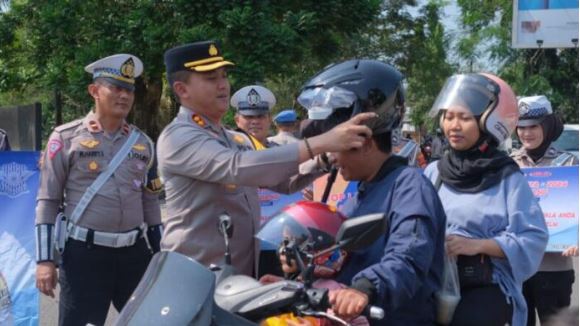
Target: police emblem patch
13,177
139,147
523,108
128,68
93,166
254,98
53,147
91,143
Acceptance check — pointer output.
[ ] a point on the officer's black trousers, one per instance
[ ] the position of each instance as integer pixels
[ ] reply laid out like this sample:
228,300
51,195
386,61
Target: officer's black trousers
547,292
482,306
91,277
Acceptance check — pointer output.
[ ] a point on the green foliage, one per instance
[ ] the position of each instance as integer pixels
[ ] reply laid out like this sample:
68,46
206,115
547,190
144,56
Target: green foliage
45,44
552,72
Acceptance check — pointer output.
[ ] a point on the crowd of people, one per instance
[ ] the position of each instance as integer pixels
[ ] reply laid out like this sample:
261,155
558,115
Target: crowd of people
471,201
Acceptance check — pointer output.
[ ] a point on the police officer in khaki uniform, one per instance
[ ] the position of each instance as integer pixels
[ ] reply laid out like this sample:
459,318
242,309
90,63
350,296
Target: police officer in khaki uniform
105,253
286,122
549,290
208,170
253,104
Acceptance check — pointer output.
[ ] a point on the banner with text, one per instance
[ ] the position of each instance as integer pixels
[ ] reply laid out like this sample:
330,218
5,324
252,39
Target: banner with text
557,191
19,176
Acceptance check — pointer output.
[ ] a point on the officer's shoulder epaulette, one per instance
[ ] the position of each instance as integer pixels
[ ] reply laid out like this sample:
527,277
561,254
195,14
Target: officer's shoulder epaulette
68,126
239,137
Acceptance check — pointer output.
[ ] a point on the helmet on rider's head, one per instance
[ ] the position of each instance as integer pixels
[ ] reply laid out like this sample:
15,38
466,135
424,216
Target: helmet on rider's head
313,227
345,89
489,98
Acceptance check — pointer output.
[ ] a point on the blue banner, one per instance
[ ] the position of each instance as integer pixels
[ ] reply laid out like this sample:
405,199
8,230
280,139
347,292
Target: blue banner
557,191
19,177
271,202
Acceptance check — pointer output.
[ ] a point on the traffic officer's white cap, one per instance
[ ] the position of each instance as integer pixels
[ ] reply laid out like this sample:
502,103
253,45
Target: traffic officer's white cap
118,69
253,100
533,110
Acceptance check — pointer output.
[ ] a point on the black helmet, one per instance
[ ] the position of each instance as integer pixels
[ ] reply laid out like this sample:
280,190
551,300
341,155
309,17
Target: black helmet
348,88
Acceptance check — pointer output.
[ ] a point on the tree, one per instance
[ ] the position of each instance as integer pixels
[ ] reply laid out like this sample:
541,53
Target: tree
553,72
45,44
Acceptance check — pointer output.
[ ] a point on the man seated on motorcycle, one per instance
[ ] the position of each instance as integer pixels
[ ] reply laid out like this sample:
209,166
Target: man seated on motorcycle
401,271
312,227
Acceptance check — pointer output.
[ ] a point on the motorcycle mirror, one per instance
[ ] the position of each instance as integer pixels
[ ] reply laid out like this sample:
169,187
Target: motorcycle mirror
359,232
225,225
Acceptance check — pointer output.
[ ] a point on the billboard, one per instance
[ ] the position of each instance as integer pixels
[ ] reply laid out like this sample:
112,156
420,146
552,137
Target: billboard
545,24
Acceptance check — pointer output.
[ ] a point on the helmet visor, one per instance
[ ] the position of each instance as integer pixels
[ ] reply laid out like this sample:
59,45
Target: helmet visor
474,93
282,227
321,102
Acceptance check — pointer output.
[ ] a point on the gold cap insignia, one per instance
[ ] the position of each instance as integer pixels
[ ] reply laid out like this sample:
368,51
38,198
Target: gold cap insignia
139,147
213,50
90,143
93,166
128,68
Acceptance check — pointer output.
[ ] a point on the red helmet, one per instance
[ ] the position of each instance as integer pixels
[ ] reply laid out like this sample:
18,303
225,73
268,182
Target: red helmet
487,96
311,225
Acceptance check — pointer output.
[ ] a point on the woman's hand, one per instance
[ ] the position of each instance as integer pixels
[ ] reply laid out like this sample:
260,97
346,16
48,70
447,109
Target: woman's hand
458,245
571,251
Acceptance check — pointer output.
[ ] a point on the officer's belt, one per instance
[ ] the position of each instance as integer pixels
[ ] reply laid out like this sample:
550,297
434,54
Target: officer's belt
106,239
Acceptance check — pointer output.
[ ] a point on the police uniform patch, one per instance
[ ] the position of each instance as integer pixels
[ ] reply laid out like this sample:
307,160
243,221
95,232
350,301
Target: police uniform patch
54,146
198,120
91,143
93,166
231,187
239,139
139,147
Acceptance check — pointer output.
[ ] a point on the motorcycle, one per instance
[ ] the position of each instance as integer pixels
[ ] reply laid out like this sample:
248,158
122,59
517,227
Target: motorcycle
177,290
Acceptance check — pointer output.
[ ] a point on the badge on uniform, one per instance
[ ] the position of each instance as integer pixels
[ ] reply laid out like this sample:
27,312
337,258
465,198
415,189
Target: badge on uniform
231,187
197,119
93,166
239,139
54,146
139,147
91,143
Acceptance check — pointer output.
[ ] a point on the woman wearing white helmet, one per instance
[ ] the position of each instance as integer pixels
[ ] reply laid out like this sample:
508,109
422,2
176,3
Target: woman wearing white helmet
549,290
494,225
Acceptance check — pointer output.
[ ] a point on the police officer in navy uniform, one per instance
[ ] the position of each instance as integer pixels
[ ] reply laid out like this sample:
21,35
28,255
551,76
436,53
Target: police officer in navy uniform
253,104
286,122
106,251
209,170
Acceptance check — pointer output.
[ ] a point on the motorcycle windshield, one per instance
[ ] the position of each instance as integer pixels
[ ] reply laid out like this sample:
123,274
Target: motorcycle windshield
175,290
